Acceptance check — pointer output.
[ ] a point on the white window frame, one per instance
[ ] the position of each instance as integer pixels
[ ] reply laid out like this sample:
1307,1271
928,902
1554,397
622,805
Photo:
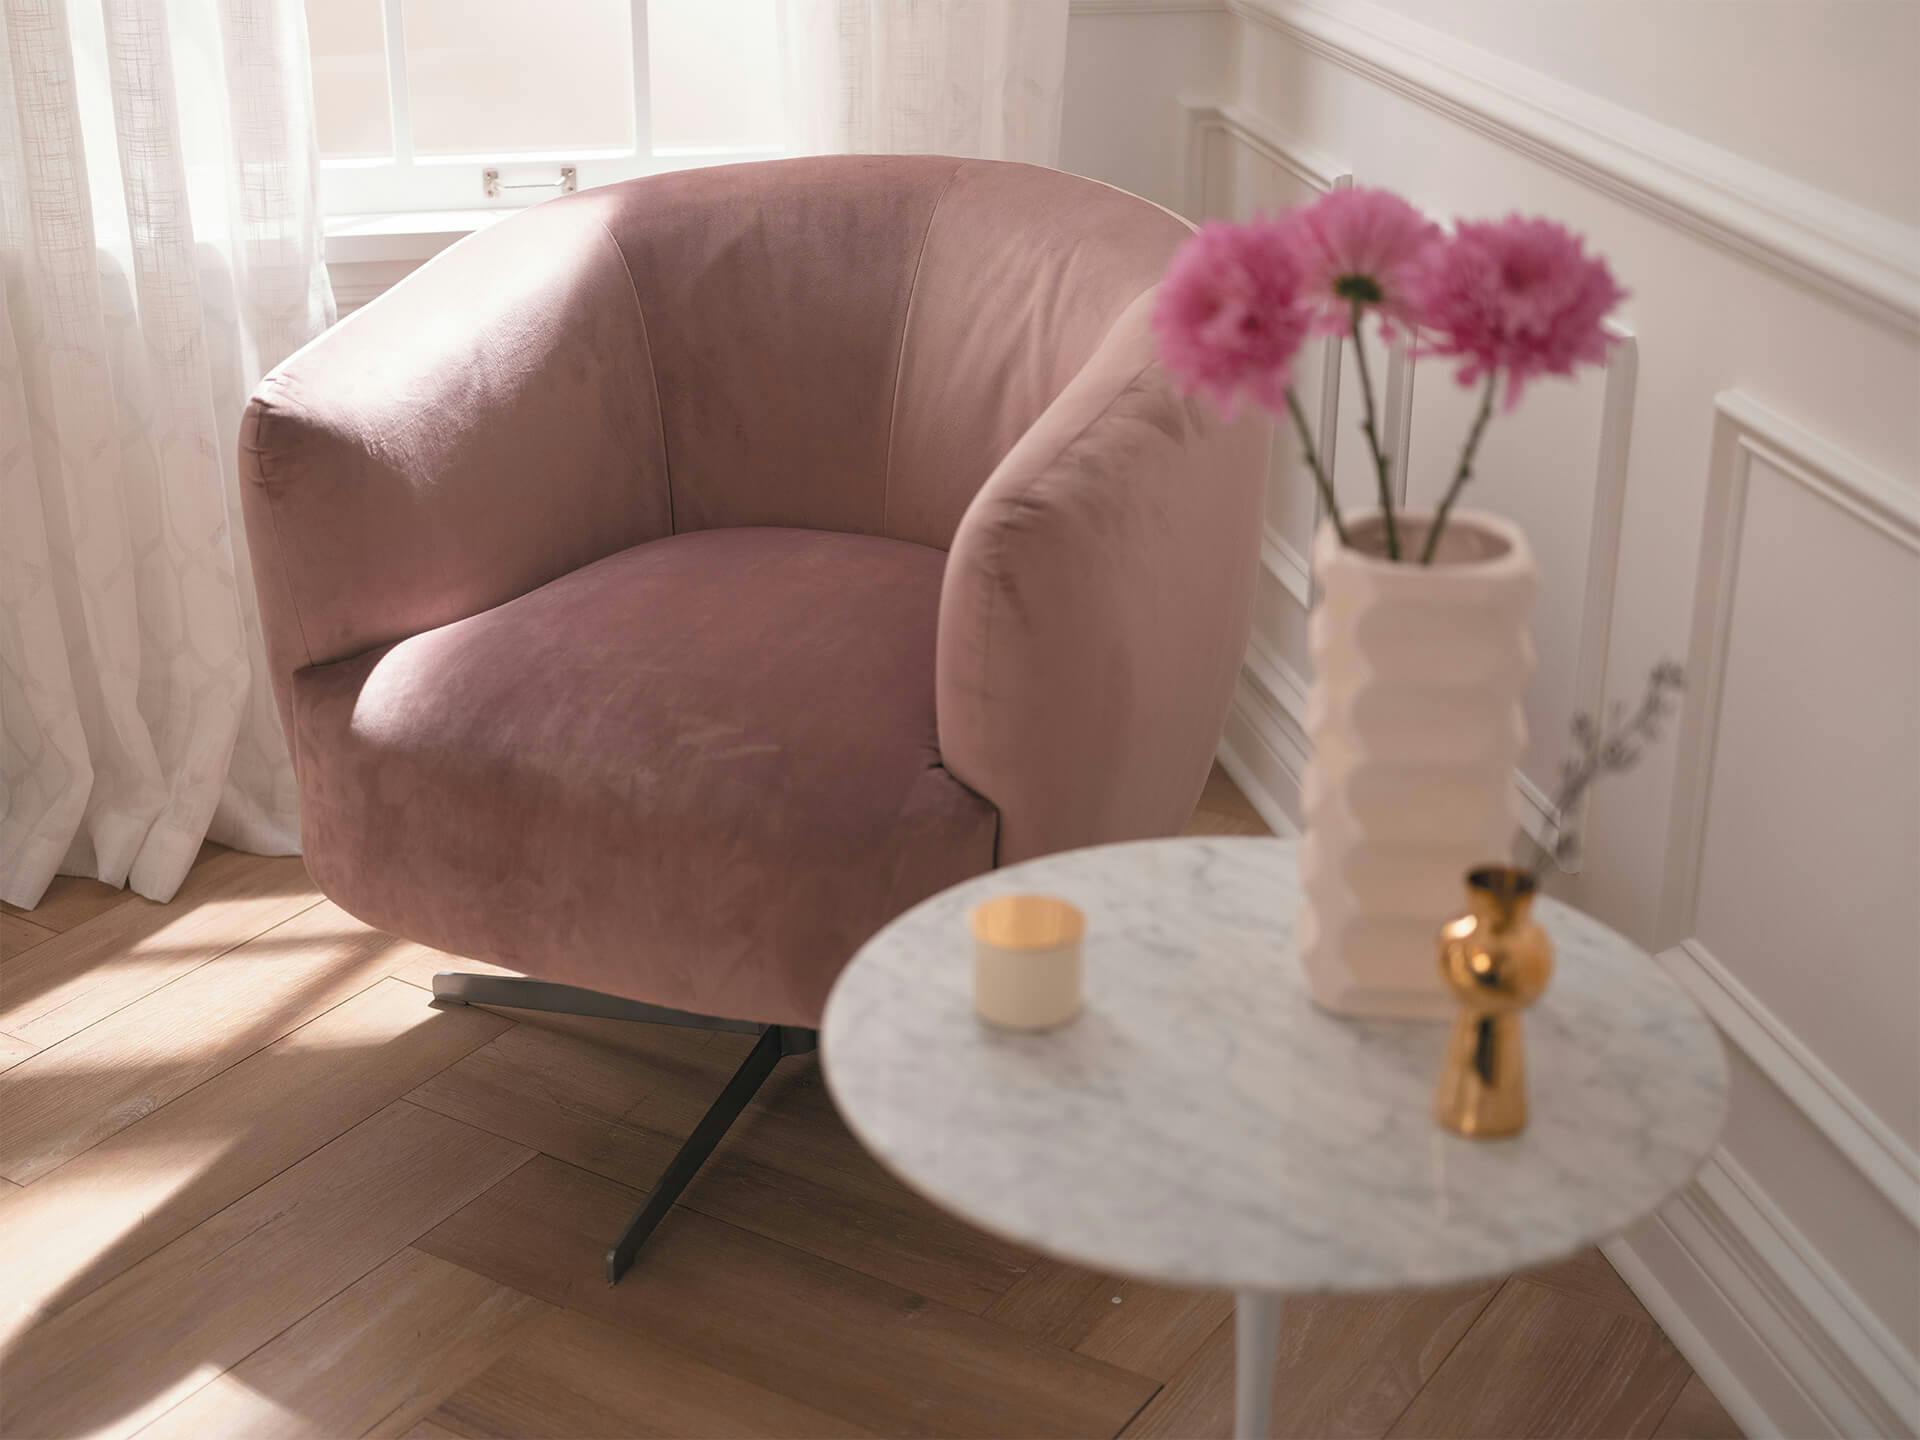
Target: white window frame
405,184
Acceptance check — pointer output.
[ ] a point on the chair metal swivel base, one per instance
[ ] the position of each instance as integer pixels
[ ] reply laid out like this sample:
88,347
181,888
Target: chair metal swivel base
776,1042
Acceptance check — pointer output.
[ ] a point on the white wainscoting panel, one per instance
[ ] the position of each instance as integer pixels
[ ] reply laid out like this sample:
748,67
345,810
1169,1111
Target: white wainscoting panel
1762,1316
1558,465
1237,168
1390,367
1265,748
1793,905
1796,842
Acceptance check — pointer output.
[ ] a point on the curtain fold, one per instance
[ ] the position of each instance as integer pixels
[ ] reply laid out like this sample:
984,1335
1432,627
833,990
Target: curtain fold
946,77
160,248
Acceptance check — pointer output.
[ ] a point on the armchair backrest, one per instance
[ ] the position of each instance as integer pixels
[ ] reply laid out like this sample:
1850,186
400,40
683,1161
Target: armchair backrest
854,342
1025,275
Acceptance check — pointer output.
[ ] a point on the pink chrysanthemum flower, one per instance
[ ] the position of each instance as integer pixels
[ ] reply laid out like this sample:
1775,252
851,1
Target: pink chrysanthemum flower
1230,316
1518,296
1361,246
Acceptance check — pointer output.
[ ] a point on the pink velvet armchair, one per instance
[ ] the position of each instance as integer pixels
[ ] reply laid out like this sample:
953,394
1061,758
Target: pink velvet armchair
669,585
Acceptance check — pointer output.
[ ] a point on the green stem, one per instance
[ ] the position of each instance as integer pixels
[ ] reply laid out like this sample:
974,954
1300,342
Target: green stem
1465,472
1371,426
1313,461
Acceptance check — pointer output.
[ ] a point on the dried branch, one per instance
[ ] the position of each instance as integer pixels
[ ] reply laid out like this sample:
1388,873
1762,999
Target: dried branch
1602,747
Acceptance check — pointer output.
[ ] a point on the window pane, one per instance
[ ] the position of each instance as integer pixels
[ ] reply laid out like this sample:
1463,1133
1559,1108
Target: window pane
348,42
498,76
715,80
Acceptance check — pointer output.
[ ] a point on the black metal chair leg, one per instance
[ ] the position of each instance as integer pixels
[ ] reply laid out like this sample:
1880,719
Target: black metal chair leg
774,1042
452,987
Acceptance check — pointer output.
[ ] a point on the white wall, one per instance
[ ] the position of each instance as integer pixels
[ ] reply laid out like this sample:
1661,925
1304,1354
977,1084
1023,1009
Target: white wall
1734,73
1740,488
1128,70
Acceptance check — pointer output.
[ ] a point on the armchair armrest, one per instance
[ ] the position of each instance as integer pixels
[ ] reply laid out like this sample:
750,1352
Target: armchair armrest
1096,604
489,424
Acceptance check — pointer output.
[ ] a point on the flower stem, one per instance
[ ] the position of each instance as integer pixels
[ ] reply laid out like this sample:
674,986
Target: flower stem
1371,426
1313,461
1465,472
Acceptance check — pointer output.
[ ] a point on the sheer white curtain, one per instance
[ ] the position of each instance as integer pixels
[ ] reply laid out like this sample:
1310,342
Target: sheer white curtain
946,77
160,247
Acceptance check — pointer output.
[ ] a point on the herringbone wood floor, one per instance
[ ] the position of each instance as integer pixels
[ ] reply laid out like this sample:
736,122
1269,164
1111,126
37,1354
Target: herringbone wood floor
254,1184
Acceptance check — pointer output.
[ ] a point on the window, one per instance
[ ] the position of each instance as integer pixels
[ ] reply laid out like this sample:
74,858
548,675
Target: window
416,99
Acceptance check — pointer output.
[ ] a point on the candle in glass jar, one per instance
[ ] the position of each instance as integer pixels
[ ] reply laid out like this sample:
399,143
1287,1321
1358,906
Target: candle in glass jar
1026,961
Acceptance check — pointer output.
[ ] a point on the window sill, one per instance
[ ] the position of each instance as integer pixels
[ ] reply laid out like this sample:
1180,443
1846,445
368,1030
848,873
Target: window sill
402,236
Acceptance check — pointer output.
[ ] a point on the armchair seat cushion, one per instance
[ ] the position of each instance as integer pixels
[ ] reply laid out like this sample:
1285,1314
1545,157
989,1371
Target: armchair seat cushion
698,772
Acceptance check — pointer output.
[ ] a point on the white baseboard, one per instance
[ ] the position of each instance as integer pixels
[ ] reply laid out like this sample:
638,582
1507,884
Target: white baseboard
1771,1329
1264,749
1255,786
1725,1269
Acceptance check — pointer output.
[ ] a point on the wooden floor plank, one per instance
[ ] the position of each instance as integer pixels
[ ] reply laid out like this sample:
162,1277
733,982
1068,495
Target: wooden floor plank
13,1050
408,1334
1348,1366
103,1211
788,1169
1152,1329
1053,1301
782,1319
420,966
1197,1404
1149,1329
150,1338
96,967
552,1092
74,1094
1589,1372
574,1377
71,900
19,934
1223,810
1589,1276
1697,1414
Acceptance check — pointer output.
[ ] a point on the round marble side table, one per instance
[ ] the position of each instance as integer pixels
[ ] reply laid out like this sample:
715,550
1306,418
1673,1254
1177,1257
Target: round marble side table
1202,1123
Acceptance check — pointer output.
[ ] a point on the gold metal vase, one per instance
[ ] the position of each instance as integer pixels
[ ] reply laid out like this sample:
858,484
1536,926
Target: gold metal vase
1495,961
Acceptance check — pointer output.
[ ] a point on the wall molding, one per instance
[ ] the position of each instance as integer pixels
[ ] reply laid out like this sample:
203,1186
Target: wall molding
1205,117
1829,1105
1603,549
1146,7
1287,562
1288,567
1746,430
1264,749
1842,250
1541,817
1792,1340
1777,1335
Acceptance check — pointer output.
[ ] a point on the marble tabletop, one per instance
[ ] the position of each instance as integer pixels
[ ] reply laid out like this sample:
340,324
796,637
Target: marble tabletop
1204,1123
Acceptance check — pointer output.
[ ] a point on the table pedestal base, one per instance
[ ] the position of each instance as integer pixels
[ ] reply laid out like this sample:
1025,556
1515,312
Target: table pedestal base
1256,1341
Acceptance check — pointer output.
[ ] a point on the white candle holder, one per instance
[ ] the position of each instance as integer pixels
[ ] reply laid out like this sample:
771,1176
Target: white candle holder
1026,961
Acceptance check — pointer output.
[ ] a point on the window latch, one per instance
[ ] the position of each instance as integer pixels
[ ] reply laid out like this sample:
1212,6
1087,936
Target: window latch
493,187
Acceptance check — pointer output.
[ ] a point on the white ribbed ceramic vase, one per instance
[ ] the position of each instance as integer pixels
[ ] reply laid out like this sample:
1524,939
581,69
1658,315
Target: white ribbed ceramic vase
1416,725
